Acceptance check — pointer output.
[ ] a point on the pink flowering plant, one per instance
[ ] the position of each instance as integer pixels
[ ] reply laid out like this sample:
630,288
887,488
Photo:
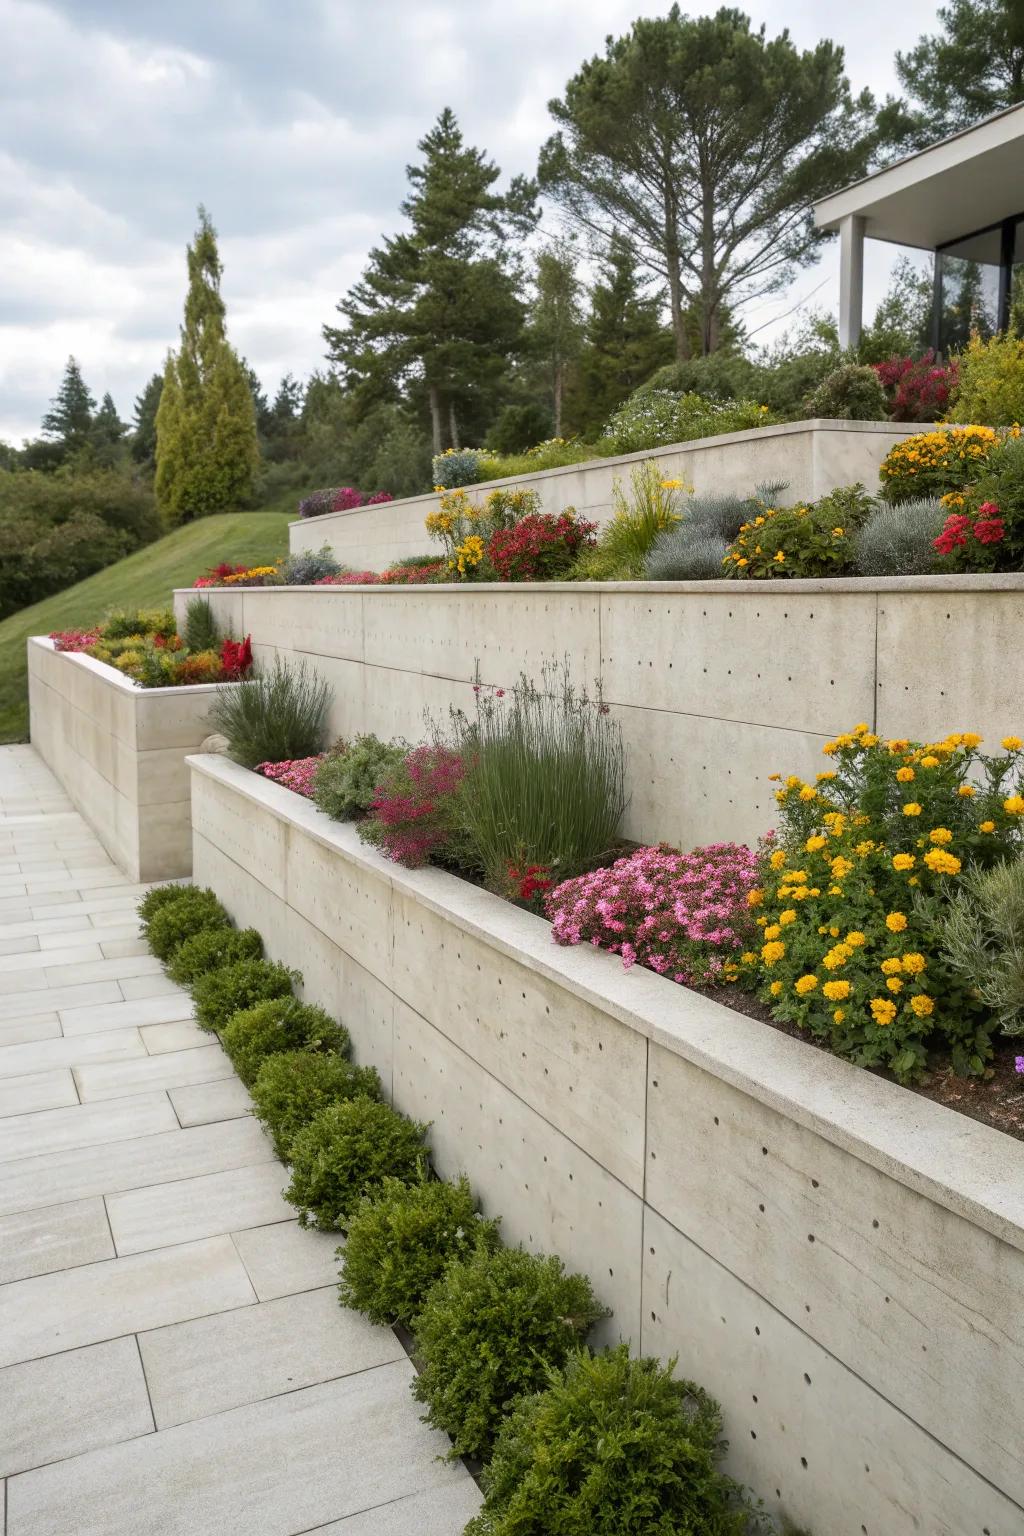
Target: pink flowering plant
415,816
683,915
296,774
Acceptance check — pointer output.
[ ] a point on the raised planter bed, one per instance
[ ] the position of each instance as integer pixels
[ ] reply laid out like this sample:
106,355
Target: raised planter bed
716,684
838,1261
119,751
813,457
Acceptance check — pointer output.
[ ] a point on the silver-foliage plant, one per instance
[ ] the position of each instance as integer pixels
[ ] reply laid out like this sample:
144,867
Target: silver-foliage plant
900,540
983,937
693,549
308,566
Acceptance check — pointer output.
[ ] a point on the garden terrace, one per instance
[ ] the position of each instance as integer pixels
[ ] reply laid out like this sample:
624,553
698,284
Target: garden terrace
715,684
838,1262
812,457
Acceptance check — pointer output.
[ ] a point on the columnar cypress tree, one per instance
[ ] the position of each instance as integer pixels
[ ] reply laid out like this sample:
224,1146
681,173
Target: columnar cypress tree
206,446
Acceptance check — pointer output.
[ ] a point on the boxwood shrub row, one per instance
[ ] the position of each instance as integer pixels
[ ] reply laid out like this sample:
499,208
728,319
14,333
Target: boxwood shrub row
571,1441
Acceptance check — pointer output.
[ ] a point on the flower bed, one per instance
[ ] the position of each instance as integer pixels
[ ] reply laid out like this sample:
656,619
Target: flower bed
147,648
662,1142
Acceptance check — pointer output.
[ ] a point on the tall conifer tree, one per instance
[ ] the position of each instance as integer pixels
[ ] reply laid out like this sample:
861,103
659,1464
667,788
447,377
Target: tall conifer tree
70,416
206,446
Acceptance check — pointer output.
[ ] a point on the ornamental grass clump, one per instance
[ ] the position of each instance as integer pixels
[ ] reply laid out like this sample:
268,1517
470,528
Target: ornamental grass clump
174,921
345,1153
274,716
491,1329
683,915
612,1447
279,1022
292,1087
346,781
982,936
851,904
220,994
653,504
545,779
211,949
400,1242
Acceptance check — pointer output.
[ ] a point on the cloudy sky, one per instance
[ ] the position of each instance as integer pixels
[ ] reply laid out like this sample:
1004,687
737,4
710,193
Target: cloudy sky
293,123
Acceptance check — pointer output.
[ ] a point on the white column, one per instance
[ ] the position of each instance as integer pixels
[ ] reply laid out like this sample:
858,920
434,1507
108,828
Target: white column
851,279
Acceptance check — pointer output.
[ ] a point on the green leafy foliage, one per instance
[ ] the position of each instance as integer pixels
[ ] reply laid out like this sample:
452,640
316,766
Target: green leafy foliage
852,393
611,1447
990,391
275,716
209,950
175,921
982,935
809,541
489,1330
346,1152
156,898
292,1087
400,1242
656,418
279,1023
345,781
220,994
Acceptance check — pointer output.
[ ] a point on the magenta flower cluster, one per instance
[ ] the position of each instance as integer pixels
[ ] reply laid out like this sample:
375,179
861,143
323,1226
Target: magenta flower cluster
295,773
412,808
682,915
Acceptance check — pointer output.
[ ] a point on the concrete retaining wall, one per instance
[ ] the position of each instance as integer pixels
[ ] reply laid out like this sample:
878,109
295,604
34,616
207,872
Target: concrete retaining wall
812,456
716,684
119,751
839,1261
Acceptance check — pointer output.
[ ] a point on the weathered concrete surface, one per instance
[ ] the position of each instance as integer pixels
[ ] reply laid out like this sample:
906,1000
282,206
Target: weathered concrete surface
836,1259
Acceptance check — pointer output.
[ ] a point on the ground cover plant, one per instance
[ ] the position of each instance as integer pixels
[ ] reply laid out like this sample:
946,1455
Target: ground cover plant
346,779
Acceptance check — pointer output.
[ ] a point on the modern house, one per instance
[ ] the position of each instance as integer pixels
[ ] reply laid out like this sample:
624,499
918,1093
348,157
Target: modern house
962,198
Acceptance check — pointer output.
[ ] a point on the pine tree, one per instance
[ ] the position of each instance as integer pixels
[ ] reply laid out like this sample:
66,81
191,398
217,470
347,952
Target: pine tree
556,321
106,433
206,445
69,418
626,340
437,309
144,430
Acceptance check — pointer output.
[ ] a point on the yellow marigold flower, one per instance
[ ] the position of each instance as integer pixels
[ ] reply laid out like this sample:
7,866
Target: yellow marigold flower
905,775
845,739
779,557
777,859
913,963
775,988
898,744
837,957
1014,806
772,931
837,533
863,849
891,967
814,891
971,739
870,740
883,1010
941,836
922,1005
896,922
805,984
815,843
797,876
928,762
755,897
794,782
780,795
1011,743
840,867
966,791
987,826
772,952
830,748
855,939
911,808
808,792
823,778
860,728
942,863
836,991
834,932
787,917
773,778
839,1014
748,957
835,890
903,861
894,984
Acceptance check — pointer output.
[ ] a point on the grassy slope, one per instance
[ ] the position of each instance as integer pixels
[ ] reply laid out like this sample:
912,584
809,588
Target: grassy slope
145,578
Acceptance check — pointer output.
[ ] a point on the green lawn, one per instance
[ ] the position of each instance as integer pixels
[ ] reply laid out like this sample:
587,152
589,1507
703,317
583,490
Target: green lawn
145,579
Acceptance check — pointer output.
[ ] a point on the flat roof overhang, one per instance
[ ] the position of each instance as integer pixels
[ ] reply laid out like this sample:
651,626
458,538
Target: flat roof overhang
964,183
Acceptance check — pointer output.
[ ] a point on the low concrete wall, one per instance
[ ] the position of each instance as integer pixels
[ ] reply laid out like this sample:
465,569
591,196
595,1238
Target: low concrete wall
839,1261
119,751
812,456
716,684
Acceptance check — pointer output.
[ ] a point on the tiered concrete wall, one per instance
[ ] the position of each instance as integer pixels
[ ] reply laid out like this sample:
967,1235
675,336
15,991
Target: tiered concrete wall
716,684
839,1261
812,456
119,751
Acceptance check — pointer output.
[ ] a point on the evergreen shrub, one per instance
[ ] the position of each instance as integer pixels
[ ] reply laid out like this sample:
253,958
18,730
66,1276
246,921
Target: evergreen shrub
292,1087
346,1152
175,921
220,994
279,1022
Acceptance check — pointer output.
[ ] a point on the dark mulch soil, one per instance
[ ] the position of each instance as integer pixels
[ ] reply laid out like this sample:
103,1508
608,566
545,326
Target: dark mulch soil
997,1099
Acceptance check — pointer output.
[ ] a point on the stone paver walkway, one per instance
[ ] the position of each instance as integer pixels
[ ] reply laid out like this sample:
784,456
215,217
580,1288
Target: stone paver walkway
173,1358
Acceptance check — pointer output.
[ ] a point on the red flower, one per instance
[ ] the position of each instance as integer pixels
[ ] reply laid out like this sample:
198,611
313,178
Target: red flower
236,658
989,530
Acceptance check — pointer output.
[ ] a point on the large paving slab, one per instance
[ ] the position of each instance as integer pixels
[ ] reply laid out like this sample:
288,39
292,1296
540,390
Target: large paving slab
173,1357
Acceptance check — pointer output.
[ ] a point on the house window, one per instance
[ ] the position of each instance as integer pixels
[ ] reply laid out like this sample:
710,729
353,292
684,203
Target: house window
979,284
